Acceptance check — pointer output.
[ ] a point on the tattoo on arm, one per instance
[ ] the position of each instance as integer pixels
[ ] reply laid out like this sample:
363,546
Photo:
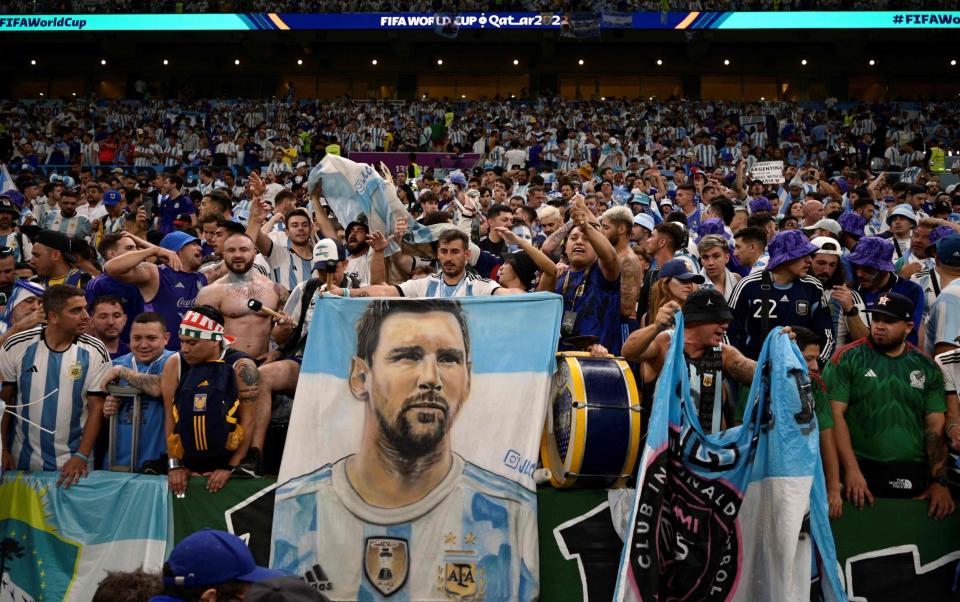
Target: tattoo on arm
936,447
148,383
249,378
740,368
215,272
359,293
630,278
283,295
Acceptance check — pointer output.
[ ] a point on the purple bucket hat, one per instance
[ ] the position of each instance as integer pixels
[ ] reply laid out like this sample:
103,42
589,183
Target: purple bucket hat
760,205
938,233
712,226
873,252
852,223
787,246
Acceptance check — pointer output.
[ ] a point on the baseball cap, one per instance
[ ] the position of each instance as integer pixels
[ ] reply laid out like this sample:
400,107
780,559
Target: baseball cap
353,224
7,206
210,557
301,164
643,220
827,246
111,198
677,269
830,225
283,589
873,252
328,249
893,305
787,246
177,240
706,305
948,250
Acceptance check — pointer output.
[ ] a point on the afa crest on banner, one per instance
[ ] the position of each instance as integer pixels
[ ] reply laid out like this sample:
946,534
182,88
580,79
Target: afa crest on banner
408,460
57,544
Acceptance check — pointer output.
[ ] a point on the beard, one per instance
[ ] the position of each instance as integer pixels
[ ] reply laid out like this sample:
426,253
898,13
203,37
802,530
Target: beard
889,345
399,435
232,267
357,247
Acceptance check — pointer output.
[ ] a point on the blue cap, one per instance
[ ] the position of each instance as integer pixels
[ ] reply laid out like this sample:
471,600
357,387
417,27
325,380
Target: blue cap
210,557
111,198
177,240
787,246
873,252
677,269
948,250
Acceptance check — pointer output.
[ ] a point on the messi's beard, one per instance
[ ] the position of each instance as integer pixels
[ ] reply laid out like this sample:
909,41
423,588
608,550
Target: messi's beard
408,452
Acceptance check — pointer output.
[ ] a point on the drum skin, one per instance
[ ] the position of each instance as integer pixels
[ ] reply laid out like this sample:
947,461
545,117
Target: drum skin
592,434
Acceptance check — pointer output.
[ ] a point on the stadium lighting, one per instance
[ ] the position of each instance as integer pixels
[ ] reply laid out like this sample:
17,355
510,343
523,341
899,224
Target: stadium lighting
41,94
603,98
580,62
33,61
803,62
166,62
953,63
871,62
103,61
236,61
374,62
515,62
463,96
513,96
440,62
762,98
726,62
299,61
73,94
659,62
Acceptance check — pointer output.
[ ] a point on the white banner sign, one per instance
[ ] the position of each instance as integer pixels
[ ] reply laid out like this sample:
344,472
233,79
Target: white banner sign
768,172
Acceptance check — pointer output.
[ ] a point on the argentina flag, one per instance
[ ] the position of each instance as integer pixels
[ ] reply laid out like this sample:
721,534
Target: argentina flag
352,189
58,544
412,445
739,515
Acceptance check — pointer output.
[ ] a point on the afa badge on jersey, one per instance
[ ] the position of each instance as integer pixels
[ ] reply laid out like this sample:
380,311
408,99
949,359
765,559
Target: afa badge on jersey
460,578
803,308
386,563
76,371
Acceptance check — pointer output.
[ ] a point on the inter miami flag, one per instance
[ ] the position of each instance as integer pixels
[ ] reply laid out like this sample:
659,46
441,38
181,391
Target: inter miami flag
739,515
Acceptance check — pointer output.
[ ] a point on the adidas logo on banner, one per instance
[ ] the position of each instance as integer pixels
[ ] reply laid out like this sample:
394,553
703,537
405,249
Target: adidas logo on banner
318,579
870,373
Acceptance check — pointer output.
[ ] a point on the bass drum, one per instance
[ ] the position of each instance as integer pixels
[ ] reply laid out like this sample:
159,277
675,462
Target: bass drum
592,433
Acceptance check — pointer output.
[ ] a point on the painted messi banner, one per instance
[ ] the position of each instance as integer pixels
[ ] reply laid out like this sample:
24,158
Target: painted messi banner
411,448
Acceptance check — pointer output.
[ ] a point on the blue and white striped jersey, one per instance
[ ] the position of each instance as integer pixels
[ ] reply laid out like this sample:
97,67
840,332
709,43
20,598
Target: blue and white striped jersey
474,536
52,391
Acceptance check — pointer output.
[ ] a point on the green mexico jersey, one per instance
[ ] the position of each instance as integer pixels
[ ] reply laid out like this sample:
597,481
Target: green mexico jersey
888,399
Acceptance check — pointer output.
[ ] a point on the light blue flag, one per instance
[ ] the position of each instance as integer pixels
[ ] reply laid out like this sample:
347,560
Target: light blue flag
58,544
352,189
739,515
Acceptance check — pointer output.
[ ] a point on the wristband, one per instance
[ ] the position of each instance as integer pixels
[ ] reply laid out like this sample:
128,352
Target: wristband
82,456
852,311
173,464
346,293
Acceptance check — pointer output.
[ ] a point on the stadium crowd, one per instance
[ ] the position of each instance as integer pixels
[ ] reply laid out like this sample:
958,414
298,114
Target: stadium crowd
145,242
23,7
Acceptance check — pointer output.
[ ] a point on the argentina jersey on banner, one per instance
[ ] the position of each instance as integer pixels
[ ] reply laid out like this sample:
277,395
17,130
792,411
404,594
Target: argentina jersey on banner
739,515
409,462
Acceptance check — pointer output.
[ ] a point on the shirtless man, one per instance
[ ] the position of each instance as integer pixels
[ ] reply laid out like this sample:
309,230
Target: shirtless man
229,295
617,225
